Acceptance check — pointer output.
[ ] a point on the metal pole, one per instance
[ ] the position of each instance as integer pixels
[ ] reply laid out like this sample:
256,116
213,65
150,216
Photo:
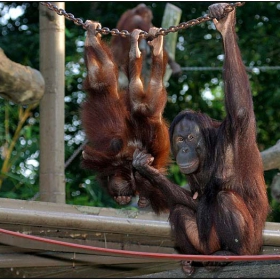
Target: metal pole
52,66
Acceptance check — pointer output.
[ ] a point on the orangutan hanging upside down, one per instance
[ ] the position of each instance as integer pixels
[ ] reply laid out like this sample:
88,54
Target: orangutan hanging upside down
117,122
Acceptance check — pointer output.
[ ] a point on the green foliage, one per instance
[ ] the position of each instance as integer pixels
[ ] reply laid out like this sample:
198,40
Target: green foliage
258,29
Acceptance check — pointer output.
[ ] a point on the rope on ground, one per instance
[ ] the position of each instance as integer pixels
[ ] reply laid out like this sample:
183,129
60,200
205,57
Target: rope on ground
125,253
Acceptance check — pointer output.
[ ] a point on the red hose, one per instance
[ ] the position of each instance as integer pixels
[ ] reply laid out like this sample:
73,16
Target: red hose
201,258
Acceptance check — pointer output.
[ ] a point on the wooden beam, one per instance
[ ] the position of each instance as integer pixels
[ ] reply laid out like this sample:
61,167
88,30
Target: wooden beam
171,17
52,64
95,219
134,230
271,157
239,270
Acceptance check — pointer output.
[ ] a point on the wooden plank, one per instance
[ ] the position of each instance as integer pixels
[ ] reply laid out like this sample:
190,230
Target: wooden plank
100,240
100,227
67,216
43,259
171,17
254,269
85,271
94,219
251,270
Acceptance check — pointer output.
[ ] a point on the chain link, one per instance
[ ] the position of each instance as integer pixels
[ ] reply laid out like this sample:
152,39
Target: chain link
124,33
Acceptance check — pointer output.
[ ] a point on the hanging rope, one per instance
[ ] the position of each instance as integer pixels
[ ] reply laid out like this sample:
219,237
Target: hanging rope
143,34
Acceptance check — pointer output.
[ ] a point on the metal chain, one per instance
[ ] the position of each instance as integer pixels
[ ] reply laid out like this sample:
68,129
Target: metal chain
143,34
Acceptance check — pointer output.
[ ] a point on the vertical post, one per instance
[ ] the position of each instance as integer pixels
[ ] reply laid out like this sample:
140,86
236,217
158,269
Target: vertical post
52,67
172,16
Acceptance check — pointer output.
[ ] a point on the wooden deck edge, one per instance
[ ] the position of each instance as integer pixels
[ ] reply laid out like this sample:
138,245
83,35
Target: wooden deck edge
110,220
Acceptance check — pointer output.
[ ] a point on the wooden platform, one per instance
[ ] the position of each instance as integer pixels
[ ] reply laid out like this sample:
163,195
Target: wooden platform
105,228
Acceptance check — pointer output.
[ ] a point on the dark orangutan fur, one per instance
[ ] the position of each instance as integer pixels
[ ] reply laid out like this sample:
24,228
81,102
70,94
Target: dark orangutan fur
117,122
226,207
139,17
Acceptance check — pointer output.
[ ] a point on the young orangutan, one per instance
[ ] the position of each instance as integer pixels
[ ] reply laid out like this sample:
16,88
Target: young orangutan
118,122
140,17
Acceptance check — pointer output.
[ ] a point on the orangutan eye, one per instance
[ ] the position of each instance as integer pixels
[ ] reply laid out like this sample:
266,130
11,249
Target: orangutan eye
190,137
179,139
